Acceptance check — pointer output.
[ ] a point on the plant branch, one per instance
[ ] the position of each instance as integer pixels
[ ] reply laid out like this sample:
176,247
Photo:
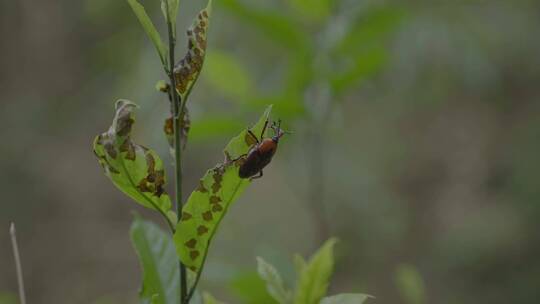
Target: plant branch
177,118
18,266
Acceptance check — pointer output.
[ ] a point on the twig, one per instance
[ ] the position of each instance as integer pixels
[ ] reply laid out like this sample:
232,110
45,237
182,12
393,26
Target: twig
20,282
177,118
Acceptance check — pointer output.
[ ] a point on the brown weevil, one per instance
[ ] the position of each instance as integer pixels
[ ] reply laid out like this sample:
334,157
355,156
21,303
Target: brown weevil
261,153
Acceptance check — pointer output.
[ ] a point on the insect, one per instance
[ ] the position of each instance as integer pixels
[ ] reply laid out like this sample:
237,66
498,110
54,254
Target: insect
260,153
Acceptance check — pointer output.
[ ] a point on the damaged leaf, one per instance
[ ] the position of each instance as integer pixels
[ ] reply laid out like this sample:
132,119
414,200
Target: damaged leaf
188,69
207,205
134,169
185,126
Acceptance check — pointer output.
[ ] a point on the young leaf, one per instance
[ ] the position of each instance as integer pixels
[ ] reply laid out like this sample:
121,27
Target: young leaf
250,288
159,263
274,283
299,264
150,30
134,169
209,299
170,14
346,298
188,69
207,205
314,279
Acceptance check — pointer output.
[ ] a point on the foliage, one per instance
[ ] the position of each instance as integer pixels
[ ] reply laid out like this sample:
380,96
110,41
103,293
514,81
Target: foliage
150,30
138,171
207,205
313,280
134,169
159,263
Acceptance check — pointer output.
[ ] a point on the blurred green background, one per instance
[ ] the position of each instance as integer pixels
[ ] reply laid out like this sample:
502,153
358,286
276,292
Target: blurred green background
416,142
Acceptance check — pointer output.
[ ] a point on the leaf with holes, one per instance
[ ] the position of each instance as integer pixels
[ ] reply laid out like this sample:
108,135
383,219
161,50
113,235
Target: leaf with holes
314,277
159,263
188,69
134,169
207,205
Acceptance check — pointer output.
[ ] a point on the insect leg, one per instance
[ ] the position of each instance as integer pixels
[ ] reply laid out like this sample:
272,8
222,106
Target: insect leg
264,128
258,176
253,135
239,157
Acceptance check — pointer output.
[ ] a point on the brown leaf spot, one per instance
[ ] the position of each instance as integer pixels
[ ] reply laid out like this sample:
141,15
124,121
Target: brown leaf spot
186,216
127,146
193,268
124,123
217,208
201,187
202,230
207,216
194,254
215,199
204,13
191,243
109,147
218,177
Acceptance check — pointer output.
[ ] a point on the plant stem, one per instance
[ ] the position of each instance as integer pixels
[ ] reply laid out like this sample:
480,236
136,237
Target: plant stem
177,118
18,266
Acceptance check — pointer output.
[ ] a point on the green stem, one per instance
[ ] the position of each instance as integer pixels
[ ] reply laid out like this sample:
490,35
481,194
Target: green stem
177,117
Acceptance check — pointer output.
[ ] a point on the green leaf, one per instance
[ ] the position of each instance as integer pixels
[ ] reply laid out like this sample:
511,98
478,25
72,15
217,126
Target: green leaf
159,263
134,169
274,282
229,76
209,299
8,298
211,126
299,264
366,64
150,30
373,26
207,205
314,10
314,279
187,70
171,13
410,284
346,298
251,289
272,24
